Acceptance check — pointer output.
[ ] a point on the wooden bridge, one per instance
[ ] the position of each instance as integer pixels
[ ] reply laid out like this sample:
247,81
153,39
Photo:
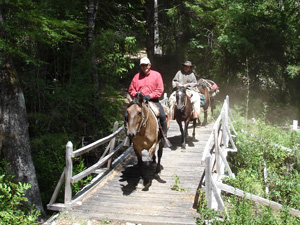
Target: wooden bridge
121,196
117,194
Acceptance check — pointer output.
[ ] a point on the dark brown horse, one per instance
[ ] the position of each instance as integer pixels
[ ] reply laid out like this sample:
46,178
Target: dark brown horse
142,129
183,112
209,100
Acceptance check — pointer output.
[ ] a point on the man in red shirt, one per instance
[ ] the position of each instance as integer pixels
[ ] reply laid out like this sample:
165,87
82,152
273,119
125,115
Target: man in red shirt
151,85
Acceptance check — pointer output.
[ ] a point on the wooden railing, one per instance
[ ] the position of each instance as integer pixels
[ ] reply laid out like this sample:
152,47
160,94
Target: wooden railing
214,156
68,179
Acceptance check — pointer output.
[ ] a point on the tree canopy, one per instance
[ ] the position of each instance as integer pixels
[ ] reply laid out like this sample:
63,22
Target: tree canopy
75,59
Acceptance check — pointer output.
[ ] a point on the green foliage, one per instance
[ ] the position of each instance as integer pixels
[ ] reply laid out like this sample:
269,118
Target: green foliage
258,147
218,36
293,70
242,211
12,197
27,23
177,186
205,214
110,48
282,166
48,153
79,166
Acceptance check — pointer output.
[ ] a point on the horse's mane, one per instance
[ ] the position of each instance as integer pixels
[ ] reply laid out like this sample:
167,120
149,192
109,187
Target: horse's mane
135,101
183,89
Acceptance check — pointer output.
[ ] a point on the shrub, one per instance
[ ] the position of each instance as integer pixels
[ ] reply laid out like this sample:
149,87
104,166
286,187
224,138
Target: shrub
12,197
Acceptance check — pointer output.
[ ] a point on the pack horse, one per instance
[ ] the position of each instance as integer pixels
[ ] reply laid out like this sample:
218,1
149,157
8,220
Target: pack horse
209,89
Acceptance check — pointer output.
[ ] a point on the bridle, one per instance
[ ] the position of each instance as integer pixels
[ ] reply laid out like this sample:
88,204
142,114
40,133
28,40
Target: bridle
184,102
145,118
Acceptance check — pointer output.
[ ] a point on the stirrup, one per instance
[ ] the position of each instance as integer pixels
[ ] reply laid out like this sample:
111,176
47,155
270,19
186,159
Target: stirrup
166,143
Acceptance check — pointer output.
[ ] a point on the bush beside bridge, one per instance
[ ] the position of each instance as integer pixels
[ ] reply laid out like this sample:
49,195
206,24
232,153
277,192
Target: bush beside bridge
266,164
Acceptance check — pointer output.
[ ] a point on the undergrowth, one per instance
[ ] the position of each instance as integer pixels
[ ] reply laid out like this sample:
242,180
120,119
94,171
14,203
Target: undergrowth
13,203
261,147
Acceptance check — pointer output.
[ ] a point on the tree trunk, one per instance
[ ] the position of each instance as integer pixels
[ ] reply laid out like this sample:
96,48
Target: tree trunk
15,145
91,22
157,48
150,24
14,134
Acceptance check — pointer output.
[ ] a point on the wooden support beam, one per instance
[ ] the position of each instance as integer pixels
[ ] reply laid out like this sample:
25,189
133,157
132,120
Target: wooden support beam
57,188
255,198
208,181
112,144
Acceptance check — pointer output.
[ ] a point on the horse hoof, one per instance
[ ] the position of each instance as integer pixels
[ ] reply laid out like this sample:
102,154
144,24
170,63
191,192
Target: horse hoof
157,177
157,171
147,184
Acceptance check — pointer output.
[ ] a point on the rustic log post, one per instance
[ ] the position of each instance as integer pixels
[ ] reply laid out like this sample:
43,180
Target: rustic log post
208,183
225,124
217,149
68,174
112,144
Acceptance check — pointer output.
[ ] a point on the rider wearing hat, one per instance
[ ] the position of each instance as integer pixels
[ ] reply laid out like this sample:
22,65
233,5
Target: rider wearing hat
186,78
150,84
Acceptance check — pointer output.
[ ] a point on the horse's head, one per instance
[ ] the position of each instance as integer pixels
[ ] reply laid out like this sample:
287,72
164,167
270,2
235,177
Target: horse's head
135,116
181,98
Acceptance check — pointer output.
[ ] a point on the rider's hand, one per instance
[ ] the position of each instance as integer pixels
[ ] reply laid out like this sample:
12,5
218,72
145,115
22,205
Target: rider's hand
147,97
138,94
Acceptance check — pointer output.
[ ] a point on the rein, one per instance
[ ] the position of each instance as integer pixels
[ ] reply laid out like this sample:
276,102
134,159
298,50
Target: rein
184,103
145,119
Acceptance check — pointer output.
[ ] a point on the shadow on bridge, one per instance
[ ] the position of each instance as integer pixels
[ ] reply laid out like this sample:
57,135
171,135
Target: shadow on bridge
176,142
131,177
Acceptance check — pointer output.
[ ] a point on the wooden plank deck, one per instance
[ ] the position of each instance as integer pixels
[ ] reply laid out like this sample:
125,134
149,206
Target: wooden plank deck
123,198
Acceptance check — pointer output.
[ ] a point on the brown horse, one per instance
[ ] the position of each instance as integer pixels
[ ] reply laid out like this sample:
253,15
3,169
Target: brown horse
184,112
209,100
142,129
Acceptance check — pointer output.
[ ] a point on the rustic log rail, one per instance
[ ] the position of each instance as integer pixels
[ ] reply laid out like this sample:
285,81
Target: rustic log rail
214,156
67,177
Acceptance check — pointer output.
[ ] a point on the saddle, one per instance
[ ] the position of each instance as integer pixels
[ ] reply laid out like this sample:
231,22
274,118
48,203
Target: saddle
154,108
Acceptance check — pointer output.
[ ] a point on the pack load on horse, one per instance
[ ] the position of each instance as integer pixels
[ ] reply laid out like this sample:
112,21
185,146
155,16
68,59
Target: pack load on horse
211,86
141,123
183,112
186,78
209,89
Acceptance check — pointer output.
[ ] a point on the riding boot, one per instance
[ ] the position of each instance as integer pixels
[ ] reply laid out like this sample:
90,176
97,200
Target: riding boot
164,127
166,142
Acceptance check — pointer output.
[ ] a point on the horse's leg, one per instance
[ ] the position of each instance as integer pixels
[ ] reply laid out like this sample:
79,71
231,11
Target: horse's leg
212,106
181,131
205,117
159,155
139,157
154,158
186,124
194,126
